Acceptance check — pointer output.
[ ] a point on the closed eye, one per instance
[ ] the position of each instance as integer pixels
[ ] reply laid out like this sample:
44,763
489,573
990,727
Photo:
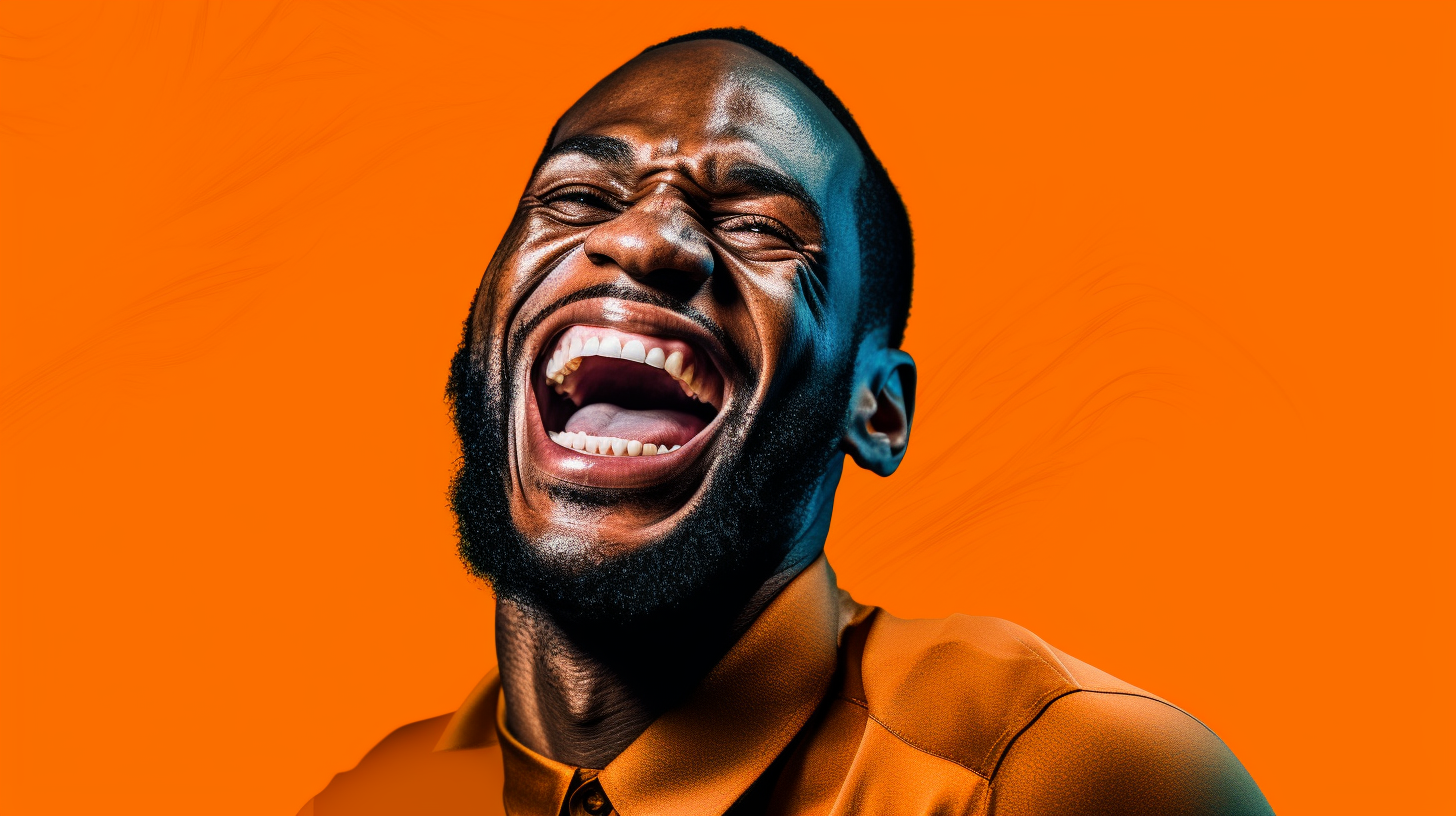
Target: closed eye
748,226
579,204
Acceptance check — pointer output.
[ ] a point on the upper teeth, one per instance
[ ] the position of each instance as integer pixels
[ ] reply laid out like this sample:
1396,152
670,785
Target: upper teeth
569,354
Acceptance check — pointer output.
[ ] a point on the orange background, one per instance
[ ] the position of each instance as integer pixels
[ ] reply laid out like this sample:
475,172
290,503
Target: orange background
1183,317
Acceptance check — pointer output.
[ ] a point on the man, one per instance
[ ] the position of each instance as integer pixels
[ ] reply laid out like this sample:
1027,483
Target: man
695,314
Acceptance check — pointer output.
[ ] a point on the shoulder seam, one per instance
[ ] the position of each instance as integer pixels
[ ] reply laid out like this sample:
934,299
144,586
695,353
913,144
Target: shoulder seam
1045,701
1051,696
1048,704
1157,699
901,737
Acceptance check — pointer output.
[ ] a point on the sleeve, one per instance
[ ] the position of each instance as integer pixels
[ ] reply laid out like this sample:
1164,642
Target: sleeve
1098,752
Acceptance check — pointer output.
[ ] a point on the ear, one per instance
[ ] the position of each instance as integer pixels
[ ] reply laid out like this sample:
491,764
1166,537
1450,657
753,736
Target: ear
884,405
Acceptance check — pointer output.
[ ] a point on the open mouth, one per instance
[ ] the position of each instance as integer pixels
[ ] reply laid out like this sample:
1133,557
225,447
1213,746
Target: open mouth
605,392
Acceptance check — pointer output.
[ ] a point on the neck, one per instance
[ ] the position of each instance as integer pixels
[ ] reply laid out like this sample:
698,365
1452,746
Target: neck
583,702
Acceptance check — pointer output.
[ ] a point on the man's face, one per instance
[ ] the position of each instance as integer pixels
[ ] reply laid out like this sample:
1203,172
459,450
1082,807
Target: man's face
670,312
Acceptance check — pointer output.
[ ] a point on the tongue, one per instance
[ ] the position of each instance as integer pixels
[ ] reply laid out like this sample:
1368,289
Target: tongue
657,426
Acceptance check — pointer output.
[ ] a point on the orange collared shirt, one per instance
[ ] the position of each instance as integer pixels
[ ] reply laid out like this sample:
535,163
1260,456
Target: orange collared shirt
828,706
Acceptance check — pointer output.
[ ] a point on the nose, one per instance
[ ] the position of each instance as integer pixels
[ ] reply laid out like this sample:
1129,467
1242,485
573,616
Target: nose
658,241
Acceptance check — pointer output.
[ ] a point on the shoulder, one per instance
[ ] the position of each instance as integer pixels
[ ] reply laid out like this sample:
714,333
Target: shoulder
405,772
1119,753
998,700
960,687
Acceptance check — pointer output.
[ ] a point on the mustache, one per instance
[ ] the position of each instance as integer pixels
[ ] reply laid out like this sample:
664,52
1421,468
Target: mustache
628,293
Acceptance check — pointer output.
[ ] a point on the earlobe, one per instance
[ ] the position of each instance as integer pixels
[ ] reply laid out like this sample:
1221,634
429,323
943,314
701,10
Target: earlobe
884,405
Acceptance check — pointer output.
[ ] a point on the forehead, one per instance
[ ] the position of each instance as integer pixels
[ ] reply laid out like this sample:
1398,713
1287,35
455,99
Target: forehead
708,97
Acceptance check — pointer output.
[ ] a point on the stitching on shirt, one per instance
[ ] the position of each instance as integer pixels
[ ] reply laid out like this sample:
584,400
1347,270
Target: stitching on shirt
901,737
1157,699
1061,672
1048,706
1044,704
1039,706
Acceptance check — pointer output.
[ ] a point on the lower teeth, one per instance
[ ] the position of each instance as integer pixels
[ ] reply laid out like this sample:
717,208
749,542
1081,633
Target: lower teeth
609,445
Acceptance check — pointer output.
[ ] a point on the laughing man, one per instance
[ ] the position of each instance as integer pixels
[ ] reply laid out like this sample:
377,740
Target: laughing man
693,319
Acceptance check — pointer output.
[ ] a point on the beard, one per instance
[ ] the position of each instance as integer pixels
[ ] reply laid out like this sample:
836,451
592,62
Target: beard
701,573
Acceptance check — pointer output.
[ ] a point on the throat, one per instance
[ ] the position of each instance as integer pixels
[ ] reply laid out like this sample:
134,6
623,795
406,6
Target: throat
563,700
582,703
581,699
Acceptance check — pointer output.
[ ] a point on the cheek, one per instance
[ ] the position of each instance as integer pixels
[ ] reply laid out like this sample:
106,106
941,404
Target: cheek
844,263
844,295
527,257
532,247
796,335
543,247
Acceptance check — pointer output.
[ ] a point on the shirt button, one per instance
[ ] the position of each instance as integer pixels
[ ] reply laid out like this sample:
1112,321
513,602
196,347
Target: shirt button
591,800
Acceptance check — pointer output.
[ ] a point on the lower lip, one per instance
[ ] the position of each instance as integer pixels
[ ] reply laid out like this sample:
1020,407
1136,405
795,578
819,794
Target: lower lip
591,470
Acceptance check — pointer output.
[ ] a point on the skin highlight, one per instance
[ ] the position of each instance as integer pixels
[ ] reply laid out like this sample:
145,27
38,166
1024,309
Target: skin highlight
699,192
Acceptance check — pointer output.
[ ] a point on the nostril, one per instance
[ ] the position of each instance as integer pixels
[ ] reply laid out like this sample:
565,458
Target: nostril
598,258
677,283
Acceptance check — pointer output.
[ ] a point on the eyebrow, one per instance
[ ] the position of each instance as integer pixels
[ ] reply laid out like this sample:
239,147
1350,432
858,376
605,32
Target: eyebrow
768,180
605,149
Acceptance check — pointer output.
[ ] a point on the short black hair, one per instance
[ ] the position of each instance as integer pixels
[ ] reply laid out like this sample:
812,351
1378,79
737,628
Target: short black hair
887,255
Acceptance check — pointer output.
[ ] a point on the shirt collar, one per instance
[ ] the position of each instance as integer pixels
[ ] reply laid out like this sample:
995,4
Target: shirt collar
700,757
